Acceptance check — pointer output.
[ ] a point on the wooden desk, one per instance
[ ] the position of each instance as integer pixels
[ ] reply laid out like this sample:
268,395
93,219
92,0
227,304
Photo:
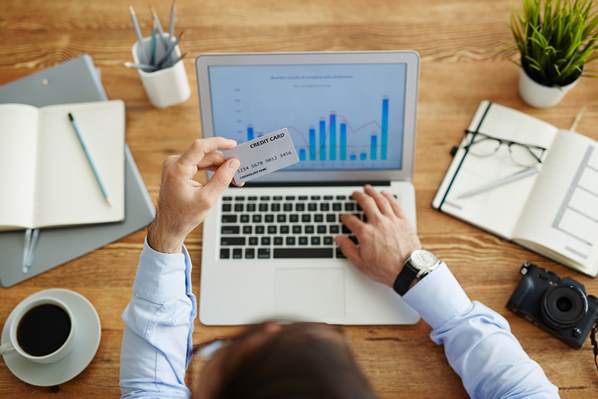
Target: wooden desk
462,46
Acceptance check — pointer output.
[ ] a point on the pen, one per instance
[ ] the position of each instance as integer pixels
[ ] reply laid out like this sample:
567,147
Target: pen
501,182
578,118
172,20
138,32
140,66
170,50
89,158
153,46
158,25
179,58
31,238
26,247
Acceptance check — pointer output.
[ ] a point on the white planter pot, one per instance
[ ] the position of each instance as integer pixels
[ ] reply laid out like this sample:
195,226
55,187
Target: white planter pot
538,95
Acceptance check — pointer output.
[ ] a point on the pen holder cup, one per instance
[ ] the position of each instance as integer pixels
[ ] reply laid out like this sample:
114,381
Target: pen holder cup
164,87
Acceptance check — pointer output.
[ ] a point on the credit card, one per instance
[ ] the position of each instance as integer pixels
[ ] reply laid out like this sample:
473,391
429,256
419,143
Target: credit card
264,155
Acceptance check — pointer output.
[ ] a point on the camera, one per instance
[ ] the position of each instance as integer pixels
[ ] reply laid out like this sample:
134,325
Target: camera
560,307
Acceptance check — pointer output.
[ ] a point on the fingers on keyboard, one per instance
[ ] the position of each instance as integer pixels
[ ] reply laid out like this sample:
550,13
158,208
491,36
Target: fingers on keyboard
273,227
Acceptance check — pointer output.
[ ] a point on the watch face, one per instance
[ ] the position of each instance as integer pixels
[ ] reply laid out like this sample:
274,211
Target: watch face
423,260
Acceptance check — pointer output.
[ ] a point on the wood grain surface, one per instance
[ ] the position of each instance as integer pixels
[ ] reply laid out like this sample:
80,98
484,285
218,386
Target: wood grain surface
466,55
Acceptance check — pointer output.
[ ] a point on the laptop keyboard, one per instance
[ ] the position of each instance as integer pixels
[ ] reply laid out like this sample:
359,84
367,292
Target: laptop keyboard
276,227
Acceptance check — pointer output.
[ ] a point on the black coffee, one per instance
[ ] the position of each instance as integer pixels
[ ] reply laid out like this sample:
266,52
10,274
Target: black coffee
43,329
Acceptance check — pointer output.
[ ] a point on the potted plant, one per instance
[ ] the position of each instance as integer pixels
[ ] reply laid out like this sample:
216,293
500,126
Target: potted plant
555,38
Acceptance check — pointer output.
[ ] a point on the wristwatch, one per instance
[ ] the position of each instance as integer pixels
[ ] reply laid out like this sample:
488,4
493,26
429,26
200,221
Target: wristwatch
417,266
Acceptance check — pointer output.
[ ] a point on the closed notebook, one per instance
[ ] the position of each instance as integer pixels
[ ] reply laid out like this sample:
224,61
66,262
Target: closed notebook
553,212
45,175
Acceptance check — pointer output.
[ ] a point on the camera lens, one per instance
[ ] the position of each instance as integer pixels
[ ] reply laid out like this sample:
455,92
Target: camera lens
564,306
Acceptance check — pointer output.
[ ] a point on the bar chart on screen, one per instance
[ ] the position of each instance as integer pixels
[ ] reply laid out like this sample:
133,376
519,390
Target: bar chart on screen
326,140
339,116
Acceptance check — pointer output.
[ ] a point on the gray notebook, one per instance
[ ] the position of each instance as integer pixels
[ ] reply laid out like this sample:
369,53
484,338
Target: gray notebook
76,80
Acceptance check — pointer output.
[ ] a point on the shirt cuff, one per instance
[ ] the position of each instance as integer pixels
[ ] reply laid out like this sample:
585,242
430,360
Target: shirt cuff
438,297
162,277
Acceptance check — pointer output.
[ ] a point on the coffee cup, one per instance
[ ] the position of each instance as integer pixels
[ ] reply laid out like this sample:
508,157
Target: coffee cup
42,331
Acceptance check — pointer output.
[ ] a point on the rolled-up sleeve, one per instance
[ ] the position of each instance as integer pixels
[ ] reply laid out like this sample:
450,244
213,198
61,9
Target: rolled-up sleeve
156,347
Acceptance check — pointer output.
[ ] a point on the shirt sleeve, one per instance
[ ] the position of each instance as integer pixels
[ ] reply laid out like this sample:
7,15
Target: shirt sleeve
478,342
156,347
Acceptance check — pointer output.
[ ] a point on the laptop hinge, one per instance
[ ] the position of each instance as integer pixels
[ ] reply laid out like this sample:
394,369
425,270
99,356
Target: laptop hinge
316,183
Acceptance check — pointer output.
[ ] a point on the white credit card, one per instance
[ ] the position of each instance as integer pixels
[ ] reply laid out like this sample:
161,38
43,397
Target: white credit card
264,155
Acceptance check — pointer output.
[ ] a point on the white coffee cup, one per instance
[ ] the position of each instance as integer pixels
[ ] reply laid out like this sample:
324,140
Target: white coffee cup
13,343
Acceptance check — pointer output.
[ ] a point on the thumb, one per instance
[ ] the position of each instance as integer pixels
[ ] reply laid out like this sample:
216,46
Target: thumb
350,250
220,180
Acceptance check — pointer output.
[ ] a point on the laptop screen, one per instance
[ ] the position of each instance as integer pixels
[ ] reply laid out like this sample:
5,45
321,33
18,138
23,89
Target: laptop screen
340,116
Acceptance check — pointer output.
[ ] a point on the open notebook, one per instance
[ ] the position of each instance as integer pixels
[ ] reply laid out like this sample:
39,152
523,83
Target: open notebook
553,212
44,170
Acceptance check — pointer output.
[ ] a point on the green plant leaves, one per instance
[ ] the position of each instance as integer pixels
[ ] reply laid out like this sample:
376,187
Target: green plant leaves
555,38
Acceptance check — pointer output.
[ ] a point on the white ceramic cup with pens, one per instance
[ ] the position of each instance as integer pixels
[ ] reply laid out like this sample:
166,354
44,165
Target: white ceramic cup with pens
159,63
164,87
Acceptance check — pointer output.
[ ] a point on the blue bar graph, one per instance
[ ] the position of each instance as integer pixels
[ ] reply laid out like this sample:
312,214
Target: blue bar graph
332,143
322,140
343,144
312,144
373,146
302,154
384,129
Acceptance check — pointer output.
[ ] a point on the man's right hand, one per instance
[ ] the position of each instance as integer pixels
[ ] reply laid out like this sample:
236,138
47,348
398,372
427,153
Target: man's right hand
184,202
385,241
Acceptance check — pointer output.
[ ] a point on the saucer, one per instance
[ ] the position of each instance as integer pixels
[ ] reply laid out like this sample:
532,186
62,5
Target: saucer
87,341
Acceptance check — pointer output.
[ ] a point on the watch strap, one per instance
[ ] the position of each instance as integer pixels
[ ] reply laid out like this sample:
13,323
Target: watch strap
404,279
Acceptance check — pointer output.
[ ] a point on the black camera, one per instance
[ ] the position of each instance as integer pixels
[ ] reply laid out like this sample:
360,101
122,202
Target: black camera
560,307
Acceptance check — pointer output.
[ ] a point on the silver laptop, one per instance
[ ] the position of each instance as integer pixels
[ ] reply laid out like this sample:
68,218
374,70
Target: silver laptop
268,248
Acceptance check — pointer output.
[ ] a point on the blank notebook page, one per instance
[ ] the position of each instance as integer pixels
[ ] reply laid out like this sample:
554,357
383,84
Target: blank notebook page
67,192
18,131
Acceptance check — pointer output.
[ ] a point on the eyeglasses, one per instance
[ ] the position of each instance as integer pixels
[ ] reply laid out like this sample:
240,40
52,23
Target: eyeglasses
484,145
206,350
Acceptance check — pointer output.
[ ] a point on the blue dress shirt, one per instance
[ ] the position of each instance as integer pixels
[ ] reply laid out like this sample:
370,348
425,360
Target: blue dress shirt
479,346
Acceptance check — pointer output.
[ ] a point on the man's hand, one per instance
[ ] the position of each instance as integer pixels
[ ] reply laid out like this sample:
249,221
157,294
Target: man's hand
385,241
184,202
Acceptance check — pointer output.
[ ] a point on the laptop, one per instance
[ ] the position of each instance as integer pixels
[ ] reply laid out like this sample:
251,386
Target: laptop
268,248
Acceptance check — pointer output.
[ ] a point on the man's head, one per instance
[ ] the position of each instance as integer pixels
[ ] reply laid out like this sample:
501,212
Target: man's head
294,361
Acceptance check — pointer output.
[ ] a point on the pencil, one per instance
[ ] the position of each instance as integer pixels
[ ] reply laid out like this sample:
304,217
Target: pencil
90,160
172,20
140,66
578,118
178,59
170,50
522,174
153,47
138,32
158,25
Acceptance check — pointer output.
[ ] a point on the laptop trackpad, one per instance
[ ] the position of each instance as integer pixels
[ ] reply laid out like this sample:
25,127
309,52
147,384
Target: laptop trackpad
310,293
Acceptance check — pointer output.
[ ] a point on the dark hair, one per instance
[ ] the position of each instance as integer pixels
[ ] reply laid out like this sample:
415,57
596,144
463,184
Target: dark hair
295,364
